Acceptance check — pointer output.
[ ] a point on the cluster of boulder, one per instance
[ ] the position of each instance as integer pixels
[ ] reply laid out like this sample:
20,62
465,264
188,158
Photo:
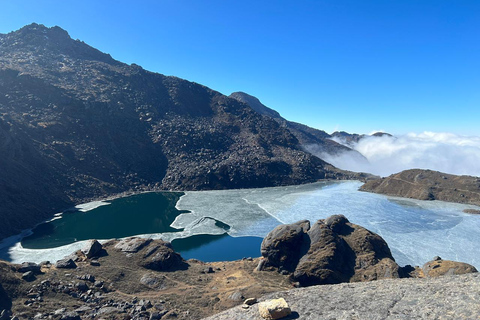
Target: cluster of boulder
334,250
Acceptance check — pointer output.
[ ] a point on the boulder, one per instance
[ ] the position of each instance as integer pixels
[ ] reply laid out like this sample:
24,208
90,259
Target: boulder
331,251
281,246
65,263
81,286
274,309
328,259
438,267
28,276
92,249
132,245
29,266
159,256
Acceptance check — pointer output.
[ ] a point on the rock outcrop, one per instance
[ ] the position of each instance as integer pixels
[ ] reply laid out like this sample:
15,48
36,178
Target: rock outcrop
159,256
333,250
93,248
439,267
428,185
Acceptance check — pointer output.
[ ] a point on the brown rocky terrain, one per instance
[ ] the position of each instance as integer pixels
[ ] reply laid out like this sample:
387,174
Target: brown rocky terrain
123,283
428,185
77,125
136,278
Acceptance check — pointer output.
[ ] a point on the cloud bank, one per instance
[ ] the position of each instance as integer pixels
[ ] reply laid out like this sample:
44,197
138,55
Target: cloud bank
445,152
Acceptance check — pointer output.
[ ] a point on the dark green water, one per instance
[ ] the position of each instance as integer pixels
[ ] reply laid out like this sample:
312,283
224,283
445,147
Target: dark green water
211,248
140,214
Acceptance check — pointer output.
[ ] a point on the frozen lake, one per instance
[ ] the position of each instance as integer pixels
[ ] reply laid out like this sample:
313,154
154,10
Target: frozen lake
415,230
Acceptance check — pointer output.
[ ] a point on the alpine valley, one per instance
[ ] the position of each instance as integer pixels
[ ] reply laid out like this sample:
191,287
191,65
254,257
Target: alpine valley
78,126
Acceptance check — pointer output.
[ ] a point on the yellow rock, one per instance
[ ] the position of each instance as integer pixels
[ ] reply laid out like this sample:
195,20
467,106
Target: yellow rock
274,309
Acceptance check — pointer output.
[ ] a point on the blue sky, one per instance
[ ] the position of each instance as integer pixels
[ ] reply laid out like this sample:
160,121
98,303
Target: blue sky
359,66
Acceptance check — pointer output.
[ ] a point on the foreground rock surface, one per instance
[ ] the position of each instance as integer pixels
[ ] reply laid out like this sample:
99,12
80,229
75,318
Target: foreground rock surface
428,185
448,297
333,250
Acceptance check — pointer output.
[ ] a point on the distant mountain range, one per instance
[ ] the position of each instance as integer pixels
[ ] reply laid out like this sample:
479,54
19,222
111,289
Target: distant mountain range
76,125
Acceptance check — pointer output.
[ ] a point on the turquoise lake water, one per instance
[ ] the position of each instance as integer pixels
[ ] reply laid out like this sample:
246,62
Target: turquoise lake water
142,214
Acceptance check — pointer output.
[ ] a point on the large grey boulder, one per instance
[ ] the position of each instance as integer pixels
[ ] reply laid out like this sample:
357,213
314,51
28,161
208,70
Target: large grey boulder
65,263
93,248
132,245
29,266
160,256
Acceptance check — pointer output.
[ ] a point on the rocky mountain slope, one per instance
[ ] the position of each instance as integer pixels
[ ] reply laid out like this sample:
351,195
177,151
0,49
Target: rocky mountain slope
428,185
75,125
311,139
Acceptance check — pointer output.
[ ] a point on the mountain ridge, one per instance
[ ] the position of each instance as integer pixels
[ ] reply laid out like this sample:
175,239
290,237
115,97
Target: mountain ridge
310,138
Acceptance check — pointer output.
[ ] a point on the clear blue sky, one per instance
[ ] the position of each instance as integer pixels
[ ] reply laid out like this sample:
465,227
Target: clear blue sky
358,66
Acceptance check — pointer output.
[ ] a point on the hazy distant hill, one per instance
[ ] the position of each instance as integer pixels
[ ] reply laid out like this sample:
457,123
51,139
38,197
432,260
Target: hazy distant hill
76,124
428,185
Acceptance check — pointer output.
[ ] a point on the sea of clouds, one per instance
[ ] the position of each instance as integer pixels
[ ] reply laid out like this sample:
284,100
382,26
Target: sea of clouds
385,155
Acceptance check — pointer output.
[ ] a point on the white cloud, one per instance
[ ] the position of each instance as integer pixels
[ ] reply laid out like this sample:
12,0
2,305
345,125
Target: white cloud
445,152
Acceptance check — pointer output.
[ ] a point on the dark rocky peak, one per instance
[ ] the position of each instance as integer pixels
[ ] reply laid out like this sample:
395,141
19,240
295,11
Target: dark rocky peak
39,39
348,138
35,29
255,104
381,134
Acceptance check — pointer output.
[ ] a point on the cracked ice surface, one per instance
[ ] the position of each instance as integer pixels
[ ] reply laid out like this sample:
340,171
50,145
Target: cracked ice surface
415,230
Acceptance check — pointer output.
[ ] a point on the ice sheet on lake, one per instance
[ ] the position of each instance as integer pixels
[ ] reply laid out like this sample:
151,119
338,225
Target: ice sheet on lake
84,207
415,231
